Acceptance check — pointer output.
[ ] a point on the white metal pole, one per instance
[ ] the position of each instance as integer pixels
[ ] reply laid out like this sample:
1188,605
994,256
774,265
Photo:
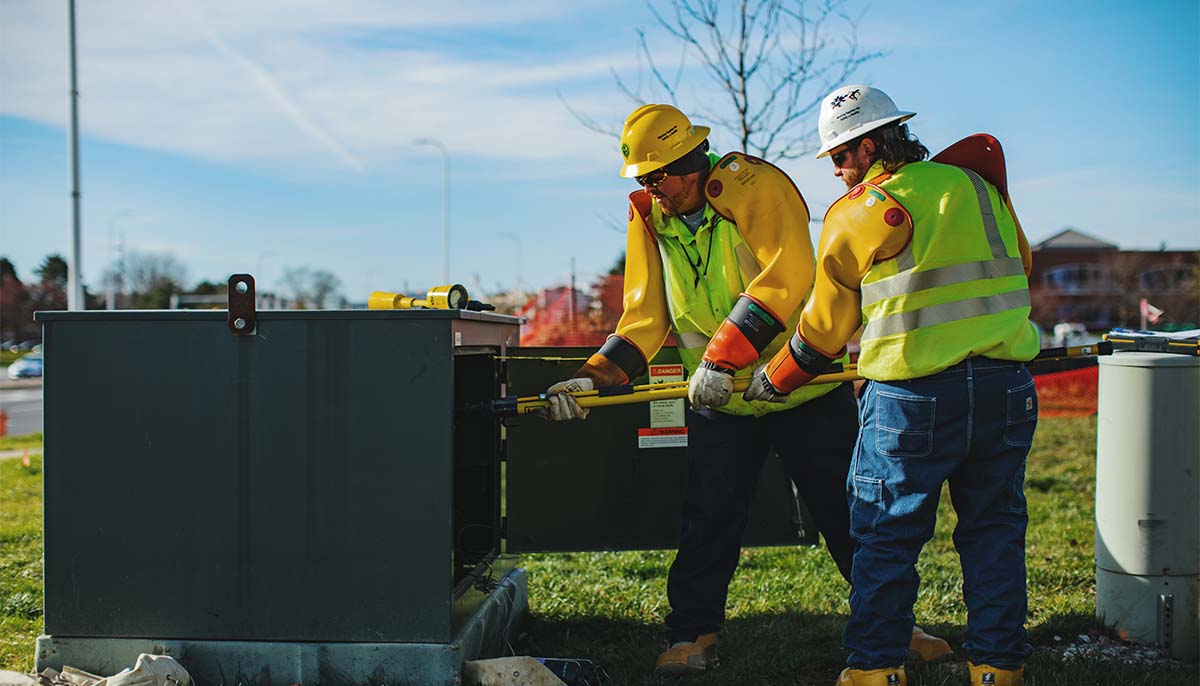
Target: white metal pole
75,299
123,280
111,299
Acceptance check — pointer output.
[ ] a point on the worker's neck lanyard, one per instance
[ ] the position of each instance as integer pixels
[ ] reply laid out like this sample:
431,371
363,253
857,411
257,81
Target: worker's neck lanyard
699,268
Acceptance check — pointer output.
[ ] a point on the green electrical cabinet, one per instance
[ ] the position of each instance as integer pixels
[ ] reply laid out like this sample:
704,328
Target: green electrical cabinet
299,503
613,494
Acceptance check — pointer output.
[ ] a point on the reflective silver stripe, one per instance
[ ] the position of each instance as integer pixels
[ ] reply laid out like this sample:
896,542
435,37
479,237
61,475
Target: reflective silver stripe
905,260
946,312
746,263
911,282
989,215
691,340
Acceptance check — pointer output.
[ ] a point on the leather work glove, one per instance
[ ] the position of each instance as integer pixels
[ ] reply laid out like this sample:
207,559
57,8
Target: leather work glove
710,386
560,406
761,388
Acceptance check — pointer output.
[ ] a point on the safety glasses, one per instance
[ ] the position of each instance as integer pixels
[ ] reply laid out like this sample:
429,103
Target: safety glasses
652,180
840,156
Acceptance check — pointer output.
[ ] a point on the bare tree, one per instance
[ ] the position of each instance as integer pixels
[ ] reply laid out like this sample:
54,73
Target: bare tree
296,287
324,286
309,288
152,278
145,271
772,60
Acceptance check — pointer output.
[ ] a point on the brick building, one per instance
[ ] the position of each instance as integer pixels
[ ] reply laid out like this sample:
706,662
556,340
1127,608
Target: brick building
1079,278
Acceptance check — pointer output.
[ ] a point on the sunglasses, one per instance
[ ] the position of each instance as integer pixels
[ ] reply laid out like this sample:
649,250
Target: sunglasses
652,180
840,156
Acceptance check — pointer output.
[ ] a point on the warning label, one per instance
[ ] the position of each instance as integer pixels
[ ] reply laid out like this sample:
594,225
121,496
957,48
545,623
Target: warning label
665,413
666,437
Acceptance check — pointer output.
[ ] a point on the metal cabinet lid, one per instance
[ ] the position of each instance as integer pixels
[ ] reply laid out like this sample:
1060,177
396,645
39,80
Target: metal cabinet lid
1124,359
289,315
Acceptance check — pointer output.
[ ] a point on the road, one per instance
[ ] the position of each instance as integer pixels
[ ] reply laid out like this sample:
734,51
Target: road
24,408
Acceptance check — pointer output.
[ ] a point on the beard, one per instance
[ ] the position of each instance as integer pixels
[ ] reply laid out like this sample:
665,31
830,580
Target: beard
686,199
669,205
853,177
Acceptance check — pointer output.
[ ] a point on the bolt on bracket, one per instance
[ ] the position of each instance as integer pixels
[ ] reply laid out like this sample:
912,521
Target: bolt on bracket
242,316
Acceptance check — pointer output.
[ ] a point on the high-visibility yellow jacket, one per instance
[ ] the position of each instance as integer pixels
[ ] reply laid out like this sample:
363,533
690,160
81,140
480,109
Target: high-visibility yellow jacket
752,254
932,261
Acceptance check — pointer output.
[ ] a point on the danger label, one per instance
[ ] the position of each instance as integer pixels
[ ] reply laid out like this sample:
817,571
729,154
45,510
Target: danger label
666,412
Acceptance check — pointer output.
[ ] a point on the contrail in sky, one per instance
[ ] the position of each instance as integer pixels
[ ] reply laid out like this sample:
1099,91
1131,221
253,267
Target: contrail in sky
272,89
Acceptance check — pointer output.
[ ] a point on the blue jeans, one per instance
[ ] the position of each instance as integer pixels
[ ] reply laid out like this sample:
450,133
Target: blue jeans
971,425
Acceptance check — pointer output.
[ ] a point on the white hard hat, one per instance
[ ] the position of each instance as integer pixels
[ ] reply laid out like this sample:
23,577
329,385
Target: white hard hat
851,111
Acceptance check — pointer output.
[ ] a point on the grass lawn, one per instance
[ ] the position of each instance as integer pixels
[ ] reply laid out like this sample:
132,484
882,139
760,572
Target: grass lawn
20,552
787,606
31,441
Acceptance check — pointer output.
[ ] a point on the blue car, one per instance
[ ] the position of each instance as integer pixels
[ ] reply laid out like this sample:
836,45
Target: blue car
28,366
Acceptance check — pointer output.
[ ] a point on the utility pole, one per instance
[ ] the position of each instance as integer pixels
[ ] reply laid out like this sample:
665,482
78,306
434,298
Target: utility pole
572,293
123,280
75,299
117,271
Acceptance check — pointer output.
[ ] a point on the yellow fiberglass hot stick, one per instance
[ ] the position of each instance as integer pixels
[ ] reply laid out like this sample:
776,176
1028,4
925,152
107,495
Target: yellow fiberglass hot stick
630,394
662,391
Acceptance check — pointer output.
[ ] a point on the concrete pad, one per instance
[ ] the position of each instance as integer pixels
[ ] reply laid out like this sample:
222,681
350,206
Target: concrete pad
8,678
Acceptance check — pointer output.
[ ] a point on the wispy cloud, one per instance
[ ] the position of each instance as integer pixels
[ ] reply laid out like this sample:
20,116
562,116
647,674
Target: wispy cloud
214,80
270,87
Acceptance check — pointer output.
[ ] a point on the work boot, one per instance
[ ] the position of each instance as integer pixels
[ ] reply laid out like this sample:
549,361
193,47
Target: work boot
927,648
688,657
987,675
889,676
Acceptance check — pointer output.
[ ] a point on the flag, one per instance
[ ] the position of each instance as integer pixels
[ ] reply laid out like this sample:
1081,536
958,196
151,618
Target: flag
1150,313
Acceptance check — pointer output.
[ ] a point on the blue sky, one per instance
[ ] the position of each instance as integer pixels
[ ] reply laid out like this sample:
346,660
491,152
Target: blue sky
274,134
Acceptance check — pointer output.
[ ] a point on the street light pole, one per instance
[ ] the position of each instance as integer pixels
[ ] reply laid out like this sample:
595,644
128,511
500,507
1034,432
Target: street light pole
75,299
111,300
445,203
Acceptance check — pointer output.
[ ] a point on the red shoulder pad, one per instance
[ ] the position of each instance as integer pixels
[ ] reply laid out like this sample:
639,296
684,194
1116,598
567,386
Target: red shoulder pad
641,201
981,154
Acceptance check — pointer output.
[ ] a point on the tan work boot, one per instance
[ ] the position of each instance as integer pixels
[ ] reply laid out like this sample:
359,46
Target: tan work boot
688,657
987,675
890,676
927,648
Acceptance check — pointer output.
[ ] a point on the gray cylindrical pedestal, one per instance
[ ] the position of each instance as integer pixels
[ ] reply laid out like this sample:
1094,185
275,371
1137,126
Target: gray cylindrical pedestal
1148,499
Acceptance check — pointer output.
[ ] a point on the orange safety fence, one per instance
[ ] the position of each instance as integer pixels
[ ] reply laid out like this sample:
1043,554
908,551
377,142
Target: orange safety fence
1068,394
548,322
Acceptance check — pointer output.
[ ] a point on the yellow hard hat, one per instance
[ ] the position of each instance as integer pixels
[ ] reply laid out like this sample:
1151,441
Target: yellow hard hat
655,136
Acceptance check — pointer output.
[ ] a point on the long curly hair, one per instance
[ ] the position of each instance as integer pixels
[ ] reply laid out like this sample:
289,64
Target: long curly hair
896,147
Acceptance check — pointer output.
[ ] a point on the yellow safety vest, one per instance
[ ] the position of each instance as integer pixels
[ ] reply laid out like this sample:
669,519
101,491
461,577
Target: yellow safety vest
705,273
957,290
